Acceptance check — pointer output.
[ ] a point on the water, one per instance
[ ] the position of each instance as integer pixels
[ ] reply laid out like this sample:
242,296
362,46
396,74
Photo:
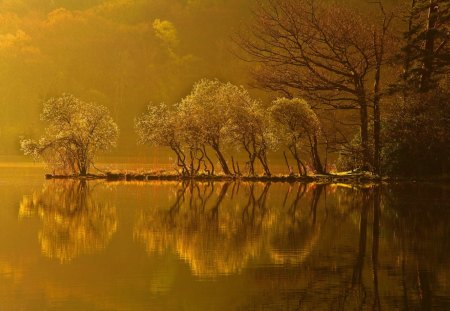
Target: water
66,245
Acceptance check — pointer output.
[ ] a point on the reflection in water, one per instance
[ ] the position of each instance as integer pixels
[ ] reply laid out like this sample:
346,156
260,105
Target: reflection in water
217,234
294,234
327,247
212,240
420,218
255,246
9,271
73,222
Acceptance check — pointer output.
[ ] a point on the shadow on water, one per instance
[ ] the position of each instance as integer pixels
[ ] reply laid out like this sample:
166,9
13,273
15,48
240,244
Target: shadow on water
73,221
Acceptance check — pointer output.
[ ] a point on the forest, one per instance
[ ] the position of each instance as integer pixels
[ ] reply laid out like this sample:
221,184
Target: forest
362,89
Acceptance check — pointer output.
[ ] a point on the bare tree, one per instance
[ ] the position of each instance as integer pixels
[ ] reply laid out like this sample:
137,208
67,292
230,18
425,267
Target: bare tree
380,39
319,52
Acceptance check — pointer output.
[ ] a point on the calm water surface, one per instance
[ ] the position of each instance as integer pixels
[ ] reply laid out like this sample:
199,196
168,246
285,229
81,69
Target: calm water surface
69,245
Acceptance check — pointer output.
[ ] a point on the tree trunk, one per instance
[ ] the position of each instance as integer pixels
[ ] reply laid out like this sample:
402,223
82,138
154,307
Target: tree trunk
181,159
379,41
364,128
408,50
315,156
222,160
238,168
251,160
262,157
83,171
209,160
287,163
251,165
191,165
199,155
82,166
300,166
428,57
234,166
377,119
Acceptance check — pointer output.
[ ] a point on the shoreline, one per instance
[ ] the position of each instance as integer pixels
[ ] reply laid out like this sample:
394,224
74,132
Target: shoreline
353,178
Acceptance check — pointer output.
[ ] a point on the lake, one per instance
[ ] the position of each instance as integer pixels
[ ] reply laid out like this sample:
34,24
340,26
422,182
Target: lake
71,245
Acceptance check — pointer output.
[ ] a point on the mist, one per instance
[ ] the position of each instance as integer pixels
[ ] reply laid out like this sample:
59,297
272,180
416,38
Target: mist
123,54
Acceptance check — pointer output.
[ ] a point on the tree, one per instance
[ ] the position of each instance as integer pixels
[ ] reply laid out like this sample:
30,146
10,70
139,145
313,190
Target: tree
76,131
296,121
324,53
159,127
416,136
417,124
248,127
383,52
426,50
195,144
214,114
205,109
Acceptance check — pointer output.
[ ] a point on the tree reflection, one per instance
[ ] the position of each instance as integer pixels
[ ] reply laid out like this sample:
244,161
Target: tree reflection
74,223
375,246
417,218
381,247
352,291
210,228
360,247
295,246
212,241
199,230
296,232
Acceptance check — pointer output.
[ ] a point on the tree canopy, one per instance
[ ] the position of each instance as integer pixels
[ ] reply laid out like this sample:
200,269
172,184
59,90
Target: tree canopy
76,131
297,122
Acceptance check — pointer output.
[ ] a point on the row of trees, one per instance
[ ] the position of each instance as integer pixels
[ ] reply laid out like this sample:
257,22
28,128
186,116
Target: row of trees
214,117
220,115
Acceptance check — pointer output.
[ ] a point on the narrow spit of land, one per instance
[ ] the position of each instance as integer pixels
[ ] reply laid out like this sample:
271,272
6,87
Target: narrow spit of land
350,178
